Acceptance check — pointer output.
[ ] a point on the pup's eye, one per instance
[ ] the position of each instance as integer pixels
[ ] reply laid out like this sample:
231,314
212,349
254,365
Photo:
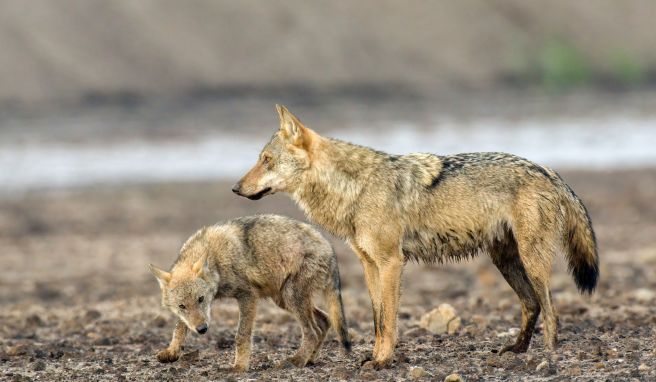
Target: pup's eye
266,159
201,299
182,307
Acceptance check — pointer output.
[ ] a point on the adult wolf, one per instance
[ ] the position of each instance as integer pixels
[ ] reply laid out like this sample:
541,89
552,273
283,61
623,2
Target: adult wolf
392,208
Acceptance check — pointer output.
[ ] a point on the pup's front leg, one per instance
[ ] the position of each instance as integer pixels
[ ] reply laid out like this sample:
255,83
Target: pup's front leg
243,339
172,353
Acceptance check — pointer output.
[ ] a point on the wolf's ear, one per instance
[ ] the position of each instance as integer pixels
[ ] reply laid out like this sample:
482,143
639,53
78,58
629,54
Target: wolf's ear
291,126
163,277
200,265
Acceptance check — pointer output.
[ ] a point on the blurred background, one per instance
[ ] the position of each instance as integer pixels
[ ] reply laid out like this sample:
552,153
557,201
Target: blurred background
123,125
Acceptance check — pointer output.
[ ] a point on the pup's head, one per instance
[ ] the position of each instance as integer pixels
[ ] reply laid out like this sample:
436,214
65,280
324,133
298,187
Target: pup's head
282,161
188,293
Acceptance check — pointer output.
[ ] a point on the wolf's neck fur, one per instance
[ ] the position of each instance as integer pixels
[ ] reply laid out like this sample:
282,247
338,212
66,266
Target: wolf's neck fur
330,189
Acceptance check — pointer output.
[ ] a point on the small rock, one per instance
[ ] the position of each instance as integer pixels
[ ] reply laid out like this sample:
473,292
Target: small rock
542,365
575,371
417,372
441,320
512,332
453,378
644,294
643,367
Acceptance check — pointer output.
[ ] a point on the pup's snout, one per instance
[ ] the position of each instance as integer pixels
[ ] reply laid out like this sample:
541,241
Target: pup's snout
201,329
236,189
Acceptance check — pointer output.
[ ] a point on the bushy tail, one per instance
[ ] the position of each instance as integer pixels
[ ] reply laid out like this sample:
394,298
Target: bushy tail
333,296
581,246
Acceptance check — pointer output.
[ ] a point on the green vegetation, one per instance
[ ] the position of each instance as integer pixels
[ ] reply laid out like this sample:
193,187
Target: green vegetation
625,70
560,65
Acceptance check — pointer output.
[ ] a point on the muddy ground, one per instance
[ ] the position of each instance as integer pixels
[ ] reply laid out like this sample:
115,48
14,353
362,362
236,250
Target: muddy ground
77,301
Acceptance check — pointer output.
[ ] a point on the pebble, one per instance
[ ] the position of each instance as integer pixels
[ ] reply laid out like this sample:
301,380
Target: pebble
542,365
440,320
512,332
418,372
643,367
453,378
644,295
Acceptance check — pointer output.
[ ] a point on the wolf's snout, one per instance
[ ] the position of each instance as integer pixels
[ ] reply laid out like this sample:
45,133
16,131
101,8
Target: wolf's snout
201,329
236,189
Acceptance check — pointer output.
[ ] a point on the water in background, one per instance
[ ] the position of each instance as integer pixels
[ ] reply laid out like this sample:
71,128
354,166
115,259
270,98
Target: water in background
587,143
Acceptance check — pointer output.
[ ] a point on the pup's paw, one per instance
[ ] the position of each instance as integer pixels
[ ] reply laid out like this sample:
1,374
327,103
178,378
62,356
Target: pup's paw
377,365
166,356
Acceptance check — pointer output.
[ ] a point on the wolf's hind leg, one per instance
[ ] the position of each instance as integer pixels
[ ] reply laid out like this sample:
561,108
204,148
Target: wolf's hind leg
536,255
506,258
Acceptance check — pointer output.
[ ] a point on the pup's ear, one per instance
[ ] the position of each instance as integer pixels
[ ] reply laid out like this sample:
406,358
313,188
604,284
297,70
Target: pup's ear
290,126
200,266
162,277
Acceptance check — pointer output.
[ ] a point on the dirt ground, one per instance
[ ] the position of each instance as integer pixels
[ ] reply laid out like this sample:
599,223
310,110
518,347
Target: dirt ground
77,301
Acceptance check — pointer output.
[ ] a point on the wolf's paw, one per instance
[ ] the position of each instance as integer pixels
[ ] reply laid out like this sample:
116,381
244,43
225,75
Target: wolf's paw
238,368
290,362
166,356
377,365
514,348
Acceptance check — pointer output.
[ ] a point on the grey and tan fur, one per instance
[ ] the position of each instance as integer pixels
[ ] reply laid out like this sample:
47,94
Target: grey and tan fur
395,208
248,258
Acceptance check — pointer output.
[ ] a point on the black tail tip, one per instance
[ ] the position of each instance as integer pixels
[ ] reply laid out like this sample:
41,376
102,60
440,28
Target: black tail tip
347,345
586,277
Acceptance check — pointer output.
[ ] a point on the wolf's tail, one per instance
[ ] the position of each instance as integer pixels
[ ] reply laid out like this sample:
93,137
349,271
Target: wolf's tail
333,296
581,244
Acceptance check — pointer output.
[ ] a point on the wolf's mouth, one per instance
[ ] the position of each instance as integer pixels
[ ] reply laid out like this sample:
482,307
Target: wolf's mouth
260,194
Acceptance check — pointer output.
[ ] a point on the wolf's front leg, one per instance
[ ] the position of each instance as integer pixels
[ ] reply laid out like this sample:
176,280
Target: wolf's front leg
371,278
172,353
247,310
390,281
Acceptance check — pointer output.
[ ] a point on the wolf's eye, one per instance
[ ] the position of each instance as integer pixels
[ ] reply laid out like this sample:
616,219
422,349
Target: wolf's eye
182,307
266,159
201,299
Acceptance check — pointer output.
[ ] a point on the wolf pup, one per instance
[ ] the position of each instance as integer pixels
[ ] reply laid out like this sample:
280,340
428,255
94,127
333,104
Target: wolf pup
394,208
250,258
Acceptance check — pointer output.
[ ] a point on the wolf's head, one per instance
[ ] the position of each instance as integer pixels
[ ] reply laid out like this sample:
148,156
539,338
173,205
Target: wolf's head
282,161
188,293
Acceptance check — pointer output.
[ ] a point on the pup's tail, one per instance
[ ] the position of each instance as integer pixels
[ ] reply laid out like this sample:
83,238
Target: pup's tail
581,244
333,295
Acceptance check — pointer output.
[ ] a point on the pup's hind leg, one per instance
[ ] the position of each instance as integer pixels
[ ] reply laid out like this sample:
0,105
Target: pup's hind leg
324,325
297,300
506,258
